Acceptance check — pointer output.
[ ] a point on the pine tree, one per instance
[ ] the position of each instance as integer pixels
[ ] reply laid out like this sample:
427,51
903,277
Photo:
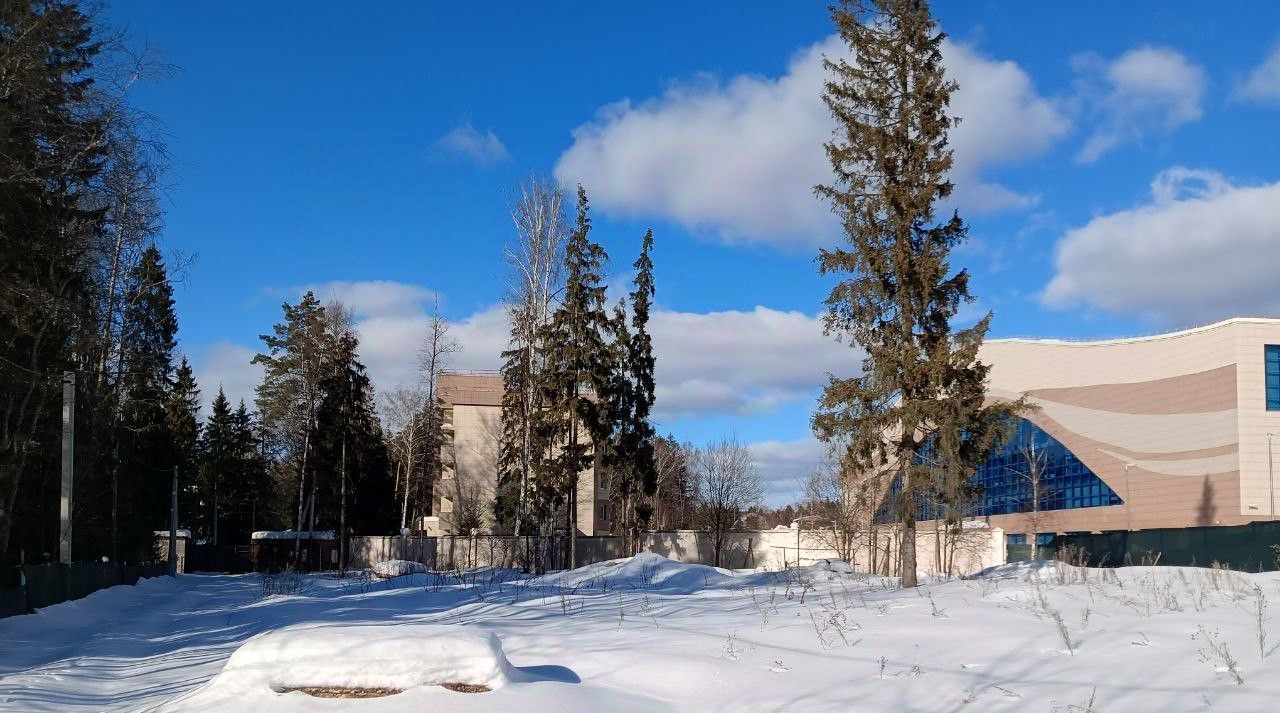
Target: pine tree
578,364
289,395
921,382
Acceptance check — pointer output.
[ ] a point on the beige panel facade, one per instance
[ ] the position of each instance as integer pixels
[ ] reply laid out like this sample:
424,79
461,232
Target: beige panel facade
472,404
1176,424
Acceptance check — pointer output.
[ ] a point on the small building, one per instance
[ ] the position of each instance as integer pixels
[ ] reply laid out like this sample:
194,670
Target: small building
472,406
162,547
276,550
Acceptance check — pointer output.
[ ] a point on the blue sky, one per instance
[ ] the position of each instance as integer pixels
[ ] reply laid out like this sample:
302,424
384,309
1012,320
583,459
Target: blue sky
1117,165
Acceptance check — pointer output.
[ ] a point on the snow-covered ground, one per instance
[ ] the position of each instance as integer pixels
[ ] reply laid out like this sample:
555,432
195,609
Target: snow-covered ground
648,634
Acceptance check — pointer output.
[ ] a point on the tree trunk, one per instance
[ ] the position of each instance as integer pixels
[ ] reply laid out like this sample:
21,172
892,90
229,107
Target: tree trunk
302,490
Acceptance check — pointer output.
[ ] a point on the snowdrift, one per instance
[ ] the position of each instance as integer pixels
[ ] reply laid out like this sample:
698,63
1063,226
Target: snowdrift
392,657
397,568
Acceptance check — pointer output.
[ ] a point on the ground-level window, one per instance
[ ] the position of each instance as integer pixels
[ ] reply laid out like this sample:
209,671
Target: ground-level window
1015,539
1271,361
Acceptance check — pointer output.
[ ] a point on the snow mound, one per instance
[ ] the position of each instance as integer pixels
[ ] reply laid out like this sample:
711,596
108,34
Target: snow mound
368,656
644,571
397,568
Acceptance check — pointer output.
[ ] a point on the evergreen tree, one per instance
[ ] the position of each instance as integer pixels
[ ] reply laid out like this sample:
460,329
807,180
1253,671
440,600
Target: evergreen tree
288,397
141,483
921,382
220,463
249,488
510,508
349,444
635,434
51,153
578,366
182,416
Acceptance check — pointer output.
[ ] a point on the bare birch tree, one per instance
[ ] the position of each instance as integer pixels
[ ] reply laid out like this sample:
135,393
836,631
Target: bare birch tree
842,499
535,260
728,484
404,411
433,359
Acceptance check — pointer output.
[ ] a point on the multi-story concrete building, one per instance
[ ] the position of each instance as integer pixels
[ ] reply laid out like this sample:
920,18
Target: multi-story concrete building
472,404
1172,430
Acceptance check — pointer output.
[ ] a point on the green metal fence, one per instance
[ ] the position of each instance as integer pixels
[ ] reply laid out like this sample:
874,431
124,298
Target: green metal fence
1248,548
48,584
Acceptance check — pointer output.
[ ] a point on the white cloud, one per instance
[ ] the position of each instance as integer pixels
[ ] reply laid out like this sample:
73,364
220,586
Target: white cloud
740,158
227,365
1145,91
481,148
727,362
370,297
1263,83
734,362
783,466
1204,248
742,361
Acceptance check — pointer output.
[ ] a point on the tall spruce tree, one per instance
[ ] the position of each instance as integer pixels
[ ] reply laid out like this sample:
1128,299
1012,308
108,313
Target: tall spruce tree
640,369
249,488
182,415
349,446
631,458
578,366
921,382
215,478
140,486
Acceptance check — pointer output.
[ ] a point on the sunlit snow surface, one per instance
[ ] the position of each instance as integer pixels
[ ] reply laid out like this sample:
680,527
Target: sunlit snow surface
648,634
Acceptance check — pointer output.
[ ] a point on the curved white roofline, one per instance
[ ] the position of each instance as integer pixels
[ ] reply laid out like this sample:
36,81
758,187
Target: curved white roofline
1273,321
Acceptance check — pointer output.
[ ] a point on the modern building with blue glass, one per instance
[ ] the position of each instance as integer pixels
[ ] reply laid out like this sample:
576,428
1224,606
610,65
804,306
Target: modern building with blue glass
1171,430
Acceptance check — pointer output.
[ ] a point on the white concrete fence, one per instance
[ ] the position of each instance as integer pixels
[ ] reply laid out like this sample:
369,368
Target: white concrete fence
964,552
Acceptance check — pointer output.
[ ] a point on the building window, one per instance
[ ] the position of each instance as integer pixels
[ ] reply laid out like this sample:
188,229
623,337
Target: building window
1015,539
1001,485
1271,361
446,505
603,511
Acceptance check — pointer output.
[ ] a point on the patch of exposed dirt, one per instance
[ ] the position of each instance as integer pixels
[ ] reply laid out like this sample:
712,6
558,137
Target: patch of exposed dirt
336,692
466,687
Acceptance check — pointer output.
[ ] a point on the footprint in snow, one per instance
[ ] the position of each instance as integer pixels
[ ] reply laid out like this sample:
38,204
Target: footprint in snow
777,667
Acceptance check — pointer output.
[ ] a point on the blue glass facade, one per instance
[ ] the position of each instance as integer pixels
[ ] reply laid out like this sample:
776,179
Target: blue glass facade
1271,360
1065,482
1002,487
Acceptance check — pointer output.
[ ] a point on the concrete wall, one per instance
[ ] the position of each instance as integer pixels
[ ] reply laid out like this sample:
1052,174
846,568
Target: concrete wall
772,550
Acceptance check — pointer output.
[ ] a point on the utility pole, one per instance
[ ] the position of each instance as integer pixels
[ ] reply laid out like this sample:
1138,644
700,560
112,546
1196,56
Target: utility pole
173,526
68,463
1271,477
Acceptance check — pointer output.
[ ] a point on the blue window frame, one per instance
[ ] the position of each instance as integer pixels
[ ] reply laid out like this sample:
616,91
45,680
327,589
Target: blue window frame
1271,363
1000,485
